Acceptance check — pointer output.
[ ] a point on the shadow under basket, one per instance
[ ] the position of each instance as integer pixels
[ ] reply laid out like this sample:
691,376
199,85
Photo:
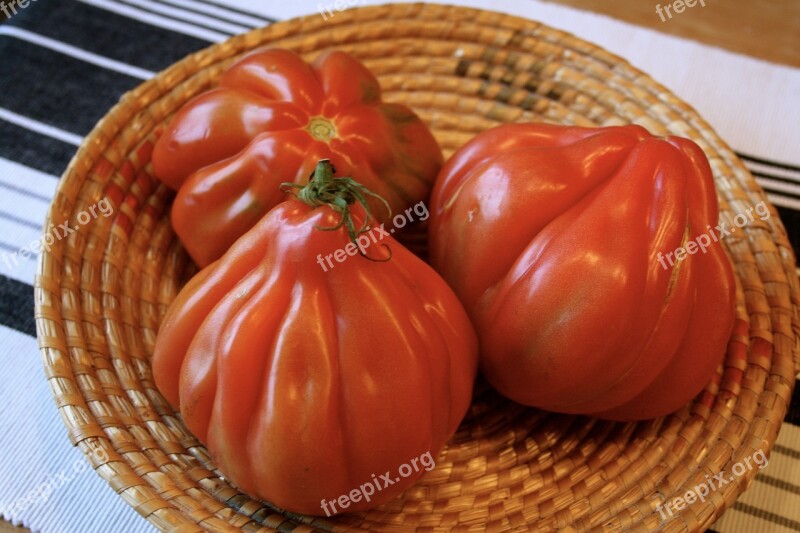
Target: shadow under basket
101,294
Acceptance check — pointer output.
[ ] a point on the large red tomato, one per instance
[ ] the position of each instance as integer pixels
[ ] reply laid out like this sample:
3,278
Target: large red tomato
560,242
308,379
271,117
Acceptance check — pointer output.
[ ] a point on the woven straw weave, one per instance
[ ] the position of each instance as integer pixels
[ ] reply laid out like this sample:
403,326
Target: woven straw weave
101,293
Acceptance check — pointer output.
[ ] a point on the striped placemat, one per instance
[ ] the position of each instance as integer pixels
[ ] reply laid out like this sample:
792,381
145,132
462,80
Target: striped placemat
64,63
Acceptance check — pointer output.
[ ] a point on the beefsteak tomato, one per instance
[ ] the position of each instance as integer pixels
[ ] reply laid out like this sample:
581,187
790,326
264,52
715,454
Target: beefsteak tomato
271,117
306,381
560,242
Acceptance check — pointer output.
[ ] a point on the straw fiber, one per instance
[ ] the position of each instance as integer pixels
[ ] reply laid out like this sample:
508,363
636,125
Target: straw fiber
102,292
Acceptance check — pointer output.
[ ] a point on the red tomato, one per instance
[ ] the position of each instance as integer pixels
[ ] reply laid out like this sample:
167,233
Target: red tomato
556,239
304,379
270,119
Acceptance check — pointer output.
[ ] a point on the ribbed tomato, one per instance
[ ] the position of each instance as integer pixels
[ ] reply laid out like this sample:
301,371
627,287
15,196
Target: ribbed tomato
560,243
269,120
302,380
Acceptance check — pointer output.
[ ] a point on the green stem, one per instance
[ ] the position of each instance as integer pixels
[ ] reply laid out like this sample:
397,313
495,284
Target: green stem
338,194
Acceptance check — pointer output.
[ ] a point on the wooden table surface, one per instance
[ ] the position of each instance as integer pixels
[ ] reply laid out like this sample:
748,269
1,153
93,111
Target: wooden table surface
766,30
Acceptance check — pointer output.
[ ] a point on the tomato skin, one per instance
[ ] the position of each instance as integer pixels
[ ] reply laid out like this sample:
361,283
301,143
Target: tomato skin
271,117
302,382
551,236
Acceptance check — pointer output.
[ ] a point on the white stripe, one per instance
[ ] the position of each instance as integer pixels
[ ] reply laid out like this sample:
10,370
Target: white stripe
28,179
244,20
284,10
37,453
19,236
40,127
774,171
77,53
20,246
779,186
20,262
155,20
190,17
784,201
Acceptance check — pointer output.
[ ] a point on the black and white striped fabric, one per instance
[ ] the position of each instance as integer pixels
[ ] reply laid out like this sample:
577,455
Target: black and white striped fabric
63,64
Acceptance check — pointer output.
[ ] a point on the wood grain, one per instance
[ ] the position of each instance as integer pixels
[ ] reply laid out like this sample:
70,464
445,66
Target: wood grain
766,30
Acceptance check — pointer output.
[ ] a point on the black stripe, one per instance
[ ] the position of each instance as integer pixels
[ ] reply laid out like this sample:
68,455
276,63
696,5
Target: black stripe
36,151
56,89
778,483
16,305
793,414
782,179
766,515
763,161
785,450
107,34
171,17
791,221
205,14
241,12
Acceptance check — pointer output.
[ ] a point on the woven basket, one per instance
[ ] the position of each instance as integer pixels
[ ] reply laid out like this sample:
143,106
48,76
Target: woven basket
102,292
